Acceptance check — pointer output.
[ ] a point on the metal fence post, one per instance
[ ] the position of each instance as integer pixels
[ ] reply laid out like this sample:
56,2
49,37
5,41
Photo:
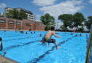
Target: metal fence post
89,49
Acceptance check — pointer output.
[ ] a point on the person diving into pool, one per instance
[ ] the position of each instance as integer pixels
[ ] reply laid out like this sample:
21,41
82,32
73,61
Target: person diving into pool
48,37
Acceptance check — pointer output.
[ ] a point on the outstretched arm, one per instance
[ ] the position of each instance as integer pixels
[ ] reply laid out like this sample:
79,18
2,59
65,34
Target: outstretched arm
57,36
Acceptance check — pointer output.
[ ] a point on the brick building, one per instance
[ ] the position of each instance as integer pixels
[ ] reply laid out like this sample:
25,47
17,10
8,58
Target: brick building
12,24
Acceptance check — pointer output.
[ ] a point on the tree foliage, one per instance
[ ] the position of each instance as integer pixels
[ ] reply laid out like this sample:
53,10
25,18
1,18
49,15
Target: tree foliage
78,18
71,21
66,18
89,22
48,20
15,14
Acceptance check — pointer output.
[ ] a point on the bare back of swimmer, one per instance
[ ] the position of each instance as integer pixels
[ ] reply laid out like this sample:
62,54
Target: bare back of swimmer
49,34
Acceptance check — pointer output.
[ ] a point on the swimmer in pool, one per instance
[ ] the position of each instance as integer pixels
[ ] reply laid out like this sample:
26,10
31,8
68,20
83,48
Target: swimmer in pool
47,38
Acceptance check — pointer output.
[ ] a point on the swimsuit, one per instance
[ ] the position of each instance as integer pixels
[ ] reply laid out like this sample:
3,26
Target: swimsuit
49,40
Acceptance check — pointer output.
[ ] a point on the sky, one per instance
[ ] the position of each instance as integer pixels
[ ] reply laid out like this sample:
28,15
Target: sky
53,7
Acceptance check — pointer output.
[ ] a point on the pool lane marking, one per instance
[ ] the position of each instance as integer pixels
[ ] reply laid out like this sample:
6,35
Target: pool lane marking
35,60
19,38
23,44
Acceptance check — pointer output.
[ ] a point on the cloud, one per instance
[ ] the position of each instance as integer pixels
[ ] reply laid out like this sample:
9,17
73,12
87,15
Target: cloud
3,5
90,1
63,7
66,7
37,17
58,24
44,2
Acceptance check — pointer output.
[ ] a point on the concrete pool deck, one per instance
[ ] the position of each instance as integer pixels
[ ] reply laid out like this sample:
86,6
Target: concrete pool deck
6,60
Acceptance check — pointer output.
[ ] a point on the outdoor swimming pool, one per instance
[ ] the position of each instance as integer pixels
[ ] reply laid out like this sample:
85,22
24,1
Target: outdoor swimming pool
25,47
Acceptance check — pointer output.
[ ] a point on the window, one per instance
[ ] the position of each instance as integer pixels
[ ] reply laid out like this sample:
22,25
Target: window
2,21
18,23
11,22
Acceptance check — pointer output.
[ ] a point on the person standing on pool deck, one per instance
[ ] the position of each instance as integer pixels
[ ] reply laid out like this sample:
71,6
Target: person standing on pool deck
1,46
47,37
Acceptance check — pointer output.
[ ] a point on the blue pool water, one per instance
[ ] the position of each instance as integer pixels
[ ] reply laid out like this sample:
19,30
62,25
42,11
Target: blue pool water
26,47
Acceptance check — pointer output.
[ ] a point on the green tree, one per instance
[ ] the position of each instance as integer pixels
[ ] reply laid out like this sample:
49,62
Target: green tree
67,20
48,20
71,21
22,15
78,19
15,14
12,14
89,22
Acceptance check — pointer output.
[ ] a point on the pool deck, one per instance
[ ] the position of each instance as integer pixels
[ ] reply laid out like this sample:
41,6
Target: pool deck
6,60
